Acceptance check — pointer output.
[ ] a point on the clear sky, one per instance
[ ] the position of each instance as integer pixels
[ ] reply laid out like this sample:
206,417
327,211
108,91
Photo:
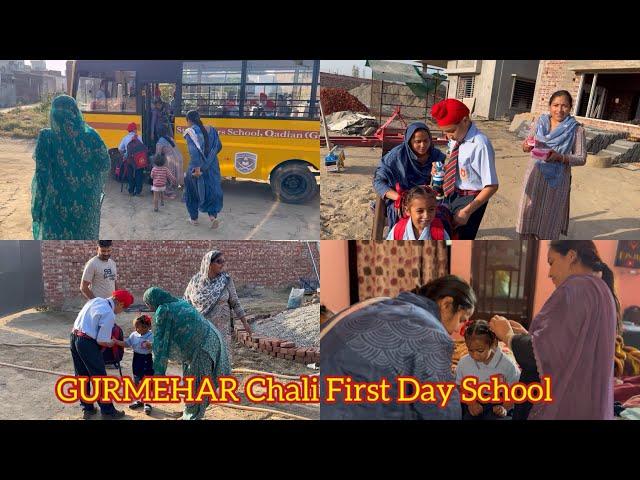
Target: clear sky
60,65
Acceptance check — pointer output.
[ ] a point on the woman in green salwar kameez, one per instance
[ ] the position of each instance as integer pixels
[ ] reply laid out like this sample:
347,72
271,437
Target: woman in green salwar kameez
181,334
72,165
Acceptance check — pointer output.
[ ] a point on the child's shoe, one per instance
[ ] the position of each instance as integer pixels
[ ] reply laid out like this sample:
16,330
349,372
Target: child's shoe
147,409
135,405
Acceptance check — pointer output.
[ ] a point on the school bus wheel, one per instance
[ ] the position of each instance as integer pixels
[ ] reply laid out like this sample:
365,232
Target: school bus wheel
293,182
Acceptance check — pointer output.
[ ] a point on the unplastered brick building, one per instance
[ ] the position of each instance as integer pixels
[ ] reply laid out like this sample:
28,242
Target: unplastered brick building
606,93
171,264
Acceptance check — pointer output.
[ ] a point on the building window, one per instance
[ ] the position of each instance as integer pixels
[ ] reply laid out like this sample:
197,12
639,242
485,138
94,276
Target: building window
466,85
503,277
522,96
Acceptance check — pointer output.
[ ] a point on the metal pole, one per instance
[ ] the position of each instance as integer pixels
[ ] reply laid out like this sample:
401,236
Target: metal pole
591,95
576,107
314,263
324,124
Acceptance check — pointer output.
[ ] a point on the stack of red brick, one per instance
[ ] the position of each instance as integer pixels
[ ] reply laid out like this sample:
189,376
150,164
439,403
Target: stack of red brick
277,347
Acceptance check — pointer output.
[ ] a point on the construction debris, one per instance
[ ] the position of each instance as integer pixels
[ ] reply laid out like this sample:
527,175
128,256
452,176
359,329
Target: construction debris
352,123
301,326
339,100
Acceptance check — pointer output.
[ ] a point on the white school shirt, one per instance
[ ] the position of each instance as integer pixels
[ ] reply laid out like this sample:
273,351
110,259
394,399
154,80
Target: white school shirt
125,141
409,235
500,364
135,341
96,319
476,161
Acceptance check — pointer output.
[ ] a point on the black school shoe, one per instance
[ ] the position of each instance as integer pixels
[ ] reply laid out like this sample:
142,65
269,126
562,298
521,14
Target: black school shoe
135,405
112,416
147,408
88,413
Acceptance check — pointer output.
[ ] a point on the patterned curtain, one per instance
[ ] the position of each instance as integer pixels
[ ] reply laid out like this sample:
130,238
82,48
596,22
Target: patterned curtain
387,268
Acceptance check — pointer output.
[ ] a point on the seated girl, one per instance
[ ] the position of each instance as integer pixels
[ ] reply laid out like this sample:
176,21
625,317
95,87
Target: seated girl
420,220
407,165
484,360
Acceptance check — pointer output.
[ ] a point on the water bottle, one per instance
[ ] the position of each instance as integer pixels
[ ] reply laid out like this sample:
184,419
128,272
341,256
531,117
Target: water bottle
437,180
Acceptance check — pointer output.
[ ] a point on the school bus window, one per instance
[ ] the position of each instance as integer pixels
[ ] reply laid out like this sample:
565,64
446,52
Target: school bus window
215,72
284,101
212,88
212,100
112,92
280,88
280,71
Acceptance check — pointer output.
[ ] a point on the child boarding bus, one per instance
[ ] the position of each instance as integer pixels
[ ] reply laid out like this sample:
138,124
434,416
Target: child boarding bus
266,112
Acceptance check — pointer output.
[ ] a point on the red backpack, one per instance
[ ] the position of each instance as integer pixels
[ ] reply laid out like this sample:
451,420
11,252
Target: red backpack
436,228
137,153
113,355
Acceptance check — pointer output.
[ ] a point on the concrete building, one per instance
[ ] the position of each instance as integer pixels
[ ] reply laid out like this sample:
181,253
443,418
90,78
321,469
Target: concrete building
20,84
493,89
38,65
606,93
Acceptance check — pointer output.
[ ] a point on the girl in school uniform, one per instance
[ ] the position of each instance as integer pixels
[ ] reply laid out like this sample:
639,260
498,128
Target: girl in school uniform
419,221
470,178
484,360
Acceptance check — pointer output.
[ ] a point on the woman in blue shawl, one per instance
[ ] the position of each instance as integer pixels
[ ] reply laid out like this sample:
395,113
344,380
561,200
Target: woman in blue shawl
182,335
389,337
72,164
408,165
202,181
544,205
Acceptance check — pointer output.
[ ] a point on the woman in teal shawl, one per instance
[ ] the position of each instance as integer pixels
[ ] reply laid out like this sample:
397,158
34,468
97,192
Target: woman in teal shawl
72,164
183,335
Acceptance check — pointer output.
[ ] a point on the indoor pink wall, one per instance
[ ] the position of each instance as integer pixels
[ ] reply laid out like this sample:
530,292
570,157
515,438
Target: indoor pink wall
461,258
334,275
627,284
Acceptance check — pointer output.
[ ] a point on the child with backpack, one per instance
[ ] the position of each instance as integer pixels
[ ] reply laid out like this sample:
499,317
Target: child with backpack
421,218
136,156
159,175
141,340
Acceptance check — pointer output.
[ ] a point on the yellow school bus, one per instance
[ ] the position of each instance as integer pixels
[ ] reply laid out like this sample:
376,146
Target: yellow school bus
265,111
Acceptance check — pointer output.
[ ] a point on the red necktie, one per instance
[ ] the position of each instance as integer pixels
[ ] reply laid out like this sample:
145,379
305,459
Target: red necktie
450,170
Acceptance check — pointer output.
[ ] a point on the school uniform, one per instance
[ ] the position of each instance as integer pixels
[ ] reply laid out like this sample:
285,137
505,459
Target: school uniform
475,170
500,364
92,325
410,235
142,364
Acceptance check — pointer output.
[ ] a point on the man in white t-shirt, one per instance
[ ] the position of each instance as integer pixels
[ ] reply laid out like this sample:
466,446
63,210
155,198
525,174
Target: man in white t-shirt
100,276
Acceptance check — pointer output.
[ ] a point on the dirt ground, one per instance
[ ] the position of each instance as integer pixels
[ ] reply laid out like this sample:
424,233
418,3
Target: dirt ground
250,211
29,395
604,202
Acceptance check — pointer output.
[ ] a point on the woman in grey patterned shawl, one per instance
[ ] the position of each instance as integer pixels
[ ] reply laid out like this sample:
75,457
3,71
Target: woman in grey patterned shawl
212,292
408,335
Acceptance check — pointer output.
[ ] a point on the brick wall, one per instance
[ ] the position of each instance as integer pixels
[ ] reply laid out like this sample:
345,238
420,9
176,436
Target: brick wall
332,80
621,111
171,264
277,347
553,75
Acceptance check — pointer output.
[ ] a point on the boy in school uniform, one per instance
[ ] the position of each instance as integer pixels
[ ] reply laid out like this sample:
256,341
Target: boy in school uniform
92,330
470,178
